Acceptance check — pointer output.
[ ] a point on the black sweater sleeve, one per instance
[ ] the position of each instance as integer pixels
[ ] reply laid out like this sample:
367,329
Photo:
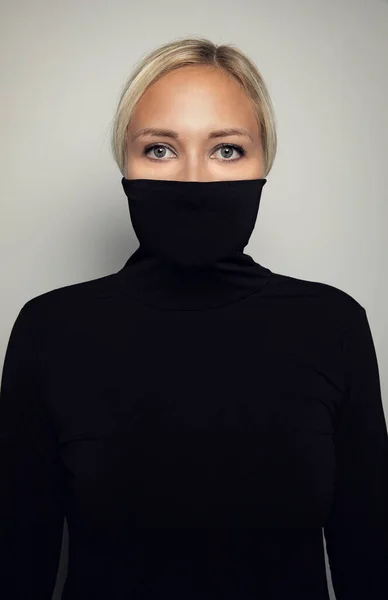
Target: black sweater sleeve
31,511
356,531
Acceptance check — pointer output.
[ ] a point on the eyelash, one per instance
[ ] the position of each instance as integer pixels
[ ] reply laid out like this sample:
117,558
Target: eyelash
241,149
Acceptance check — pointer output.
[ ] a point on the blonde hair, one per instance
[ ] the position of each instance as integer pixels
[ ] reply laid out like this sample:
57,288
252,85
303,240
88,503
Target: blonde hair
194,51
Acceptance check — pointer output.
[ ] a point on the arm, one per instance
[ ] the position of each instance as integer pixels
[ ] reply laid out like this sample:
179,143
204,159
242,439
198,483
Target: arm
31,512
356,530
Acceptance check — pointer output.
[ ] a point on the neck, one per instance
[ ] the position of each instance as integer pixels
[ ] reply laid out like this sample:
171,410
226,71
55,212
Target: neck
151,280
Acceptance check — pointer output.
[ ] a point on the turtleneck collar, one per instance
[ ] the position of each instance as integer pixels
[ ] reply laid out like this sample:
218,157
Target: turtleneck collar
150,281
192,235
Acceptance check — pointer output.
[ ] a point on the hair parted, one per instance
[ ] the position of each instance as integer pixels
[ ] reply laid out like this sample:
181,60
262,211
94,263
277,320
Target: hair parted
194,51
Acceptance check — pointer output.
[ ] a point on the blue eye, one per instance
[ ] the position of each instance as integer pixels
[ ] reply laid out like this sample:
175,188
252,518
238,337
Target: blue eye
152,147
234,147
158,146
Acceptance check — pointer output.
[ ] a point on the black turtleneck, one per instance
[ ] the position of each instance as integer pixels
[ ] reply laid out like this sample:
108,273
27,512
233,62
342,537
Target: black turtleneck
192,238
200,427
154,283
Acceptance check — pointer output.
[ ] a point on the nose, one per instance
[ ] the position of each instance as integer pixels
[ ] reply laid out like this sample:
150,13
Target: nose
193,168
194,173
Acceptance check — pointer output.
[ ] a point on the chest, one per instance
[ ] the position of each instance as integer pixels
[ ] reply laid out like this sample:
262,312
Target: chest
168,421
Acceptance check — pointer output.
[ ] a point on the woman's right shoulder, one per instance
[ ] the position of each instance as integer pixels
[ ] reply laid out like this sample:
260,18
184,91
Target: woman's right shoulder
66,299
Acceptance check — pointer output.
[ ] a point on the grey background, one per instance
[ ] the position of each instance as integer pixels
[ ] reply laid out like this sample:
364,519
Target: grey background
324,211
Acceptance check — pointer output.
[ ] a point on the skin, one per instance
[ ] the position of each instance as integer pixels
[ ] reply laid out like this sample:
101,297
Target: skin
193,101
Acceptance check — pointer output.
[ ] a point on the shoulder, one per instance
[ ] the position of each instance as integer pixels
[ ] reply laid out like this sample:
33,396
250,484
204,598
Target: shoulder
316,298
66,301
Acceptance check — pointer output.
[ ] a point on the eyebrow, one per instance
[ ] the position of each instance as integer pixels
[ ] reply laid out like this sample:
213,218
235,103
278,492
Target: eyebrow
173,134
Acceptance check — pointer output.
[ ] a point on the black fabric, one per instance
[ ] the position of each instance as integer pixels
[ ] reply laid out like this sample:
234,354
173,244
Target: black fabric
192,237
193,223
200,440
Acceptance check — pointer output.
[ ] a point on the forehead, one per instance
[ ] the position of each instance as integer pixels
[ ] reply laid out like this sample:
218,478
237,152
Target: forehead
194,96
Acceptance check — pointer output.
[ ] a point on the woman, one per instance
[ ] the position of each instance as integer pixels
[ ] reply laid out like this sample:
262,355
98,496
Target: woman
199,420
